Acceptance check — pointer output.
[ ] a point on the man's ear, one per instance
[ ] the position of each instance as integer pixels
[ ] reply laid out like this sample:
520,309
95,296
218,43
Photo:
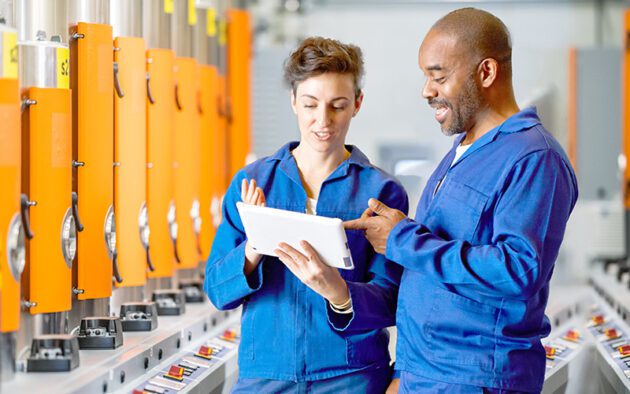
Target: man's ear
293,103
357,104
488,72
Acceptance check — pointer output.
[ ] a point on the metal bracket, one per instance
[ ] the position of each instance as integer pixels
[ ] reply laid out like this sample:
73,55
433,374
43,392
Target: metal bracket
77,291
76,36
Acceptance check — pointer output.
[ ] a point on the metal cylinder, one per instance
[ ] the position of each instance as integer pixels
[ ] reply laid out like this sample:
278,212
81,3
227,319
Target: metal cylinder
126,18
41,17
182,31
90,11
7,356
201,50
42,63
156,24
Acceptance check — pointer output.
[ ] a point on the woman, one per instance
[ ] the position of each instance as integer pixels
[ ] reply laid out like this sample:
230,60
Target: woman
307,326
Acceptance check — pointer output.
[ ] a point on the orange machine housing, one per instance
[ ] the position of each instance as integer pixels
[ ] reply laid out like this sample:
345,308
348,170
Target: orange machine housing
130,157
213,156
47,180
239,49
186,159
10,146
92,81
160,115
625,109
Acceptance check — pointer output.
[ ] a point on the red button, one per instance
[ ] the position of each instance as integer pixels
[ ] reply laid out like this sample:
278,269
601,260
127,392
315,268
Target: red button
624,350
550,352
611,333
597,319
204,352
175,372
229,335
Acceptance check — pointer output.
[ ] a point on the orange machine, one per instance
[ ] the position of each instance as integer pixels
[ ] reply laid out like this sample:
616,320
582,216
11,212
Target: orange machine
186,161
239,48
625,109
11,232
92,83
160,114
211,140
47,181
130,160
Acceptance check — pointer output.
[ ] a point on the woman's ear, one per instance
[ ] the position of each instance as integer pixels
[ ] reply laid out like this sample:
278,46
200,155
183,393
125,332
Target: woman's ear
293,103
357,104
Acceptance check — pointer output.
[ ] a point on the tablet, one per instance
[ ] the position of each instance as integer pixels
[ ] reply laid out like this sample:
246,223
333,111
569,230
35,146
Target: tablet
267,227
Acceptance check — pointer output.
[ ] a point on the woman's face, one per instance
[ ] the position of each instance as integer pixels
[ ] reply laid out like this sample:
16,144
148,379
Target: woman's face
324,106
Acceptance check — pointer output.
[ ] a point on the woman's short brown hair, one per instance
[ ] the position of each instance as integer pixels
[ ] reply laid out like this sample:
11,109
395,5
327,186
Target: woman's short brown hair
318,55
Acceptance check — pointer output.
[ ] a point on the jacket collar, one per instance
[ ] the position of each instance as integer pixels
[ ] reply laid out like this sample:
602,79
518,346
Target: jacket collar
288,165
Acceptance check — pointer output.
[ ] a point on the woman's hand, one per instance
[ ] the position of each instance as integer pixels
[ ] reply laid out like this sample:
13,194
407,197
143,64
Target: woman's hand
393,386
253,195
322,279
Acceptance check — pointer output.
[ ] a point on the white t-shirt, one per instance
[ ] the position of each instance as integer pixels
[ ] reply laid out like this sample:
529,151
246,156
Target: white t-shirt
311,206
459,151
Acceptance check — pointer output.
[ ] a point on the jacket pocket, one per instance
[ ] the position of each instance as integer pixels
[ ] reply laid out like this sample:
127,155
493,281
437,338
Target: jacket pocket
461,331
246,347
367,348
459,210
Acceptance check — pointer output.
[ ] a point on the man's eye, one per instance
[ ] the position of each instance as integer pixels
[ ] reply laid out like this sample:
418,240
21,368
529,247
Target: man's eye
439,80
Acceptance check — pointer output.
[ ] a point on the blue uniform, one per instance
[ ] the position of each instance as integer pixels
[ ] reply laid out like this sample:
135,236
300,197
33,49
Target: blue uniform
478,259
289,332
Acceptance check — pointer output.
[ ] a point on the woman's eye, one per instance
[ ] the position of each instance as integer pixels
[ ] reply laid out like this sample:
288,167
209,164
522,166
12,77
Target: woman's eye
309,106
339,108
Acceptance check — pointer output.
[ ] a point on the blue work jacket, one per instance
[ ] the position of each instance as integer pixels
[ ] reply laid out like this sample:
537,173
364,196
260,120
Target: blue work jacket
479,256
289,332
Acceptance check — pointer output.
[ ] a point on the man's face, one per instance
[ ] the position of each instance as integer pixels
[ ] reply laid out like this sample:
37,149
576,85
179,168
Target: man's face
450,87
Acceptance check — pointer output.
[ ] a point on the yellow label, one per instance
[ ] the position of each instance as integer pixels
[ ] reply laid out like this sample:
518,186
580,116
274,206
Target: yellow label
63,68
192,13
9,55
211,22
168,6
222,32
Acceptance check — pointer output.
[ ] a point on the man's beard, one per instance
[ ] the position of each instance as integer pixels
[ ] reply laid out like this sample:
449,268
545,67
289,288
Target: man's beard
467,106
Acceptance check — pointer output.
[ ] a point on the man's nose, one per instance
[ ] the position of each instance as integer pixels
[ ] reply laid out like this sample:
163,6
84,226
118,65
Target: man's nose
428,91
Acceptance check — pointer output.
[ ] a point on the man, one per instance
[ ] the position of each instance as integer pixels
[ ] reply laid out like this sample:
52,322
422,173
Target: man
480,253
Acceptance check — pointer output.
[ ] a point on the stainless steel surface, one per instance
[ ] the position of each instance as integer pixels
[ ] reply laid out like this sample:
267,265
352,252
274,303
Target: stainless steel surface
182,32
7,12
156,24
49,16
126,18
38,63
157,284
7,356
81,309
90,11
112,369
126,294
201,47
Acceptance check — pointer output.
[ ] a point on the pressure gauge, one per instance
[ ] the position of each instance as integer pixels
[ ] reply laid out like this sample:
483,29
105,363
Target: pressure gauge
110,232
196,218
68,238
172,223
143,226
15,247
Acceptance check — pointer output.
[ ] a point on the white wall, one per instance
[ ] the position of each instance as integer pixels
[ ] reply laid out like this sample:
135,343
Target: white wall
394,110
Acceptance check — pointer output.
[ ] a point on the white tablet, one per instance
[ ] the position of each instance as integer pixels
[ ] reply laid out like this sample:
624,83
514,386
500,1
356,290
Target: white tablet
267,227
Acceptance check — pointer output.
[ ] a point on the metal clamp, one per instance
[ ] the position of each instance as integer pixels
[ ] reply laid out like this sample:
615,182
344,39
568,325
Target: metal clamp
28,304
76,291
77,163
76,36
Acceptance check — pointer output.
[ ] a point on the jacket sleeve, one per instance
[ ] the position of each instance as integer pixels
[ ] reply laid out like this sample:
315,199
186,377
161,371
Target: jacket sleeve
225,282
528,226
374,301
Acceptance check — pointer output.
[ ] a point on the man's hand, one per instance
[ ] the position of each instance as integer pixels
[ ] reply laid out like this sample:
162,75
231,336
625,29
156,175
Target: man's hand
393,386
377,221
321,278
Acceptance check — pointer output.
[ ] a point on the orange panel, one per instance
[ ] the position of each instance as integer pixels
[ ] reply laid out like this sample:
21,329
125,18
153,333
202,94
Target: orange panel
93,83
187,160
48,182
239,50
223,142
9,199
160,113
625,102
210,178
130,154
